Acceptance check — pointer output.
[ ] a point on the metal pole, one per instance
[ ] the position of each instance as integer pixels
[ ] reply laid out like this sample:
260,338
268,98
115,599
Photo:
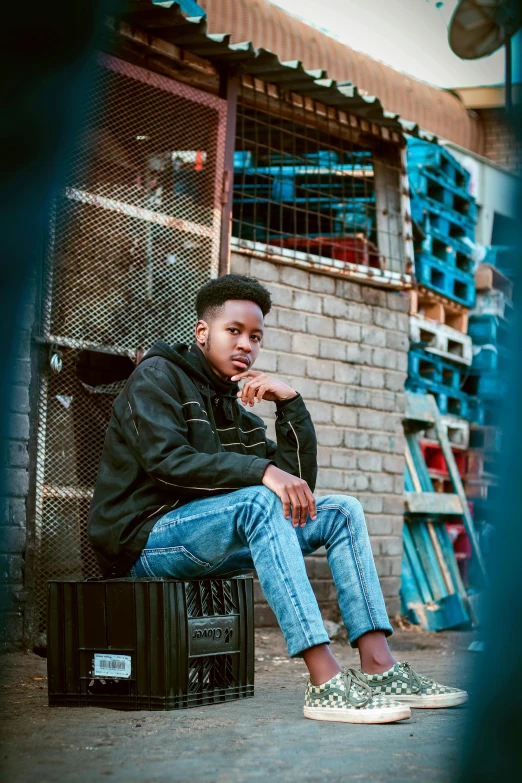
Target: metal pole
508,93
228,89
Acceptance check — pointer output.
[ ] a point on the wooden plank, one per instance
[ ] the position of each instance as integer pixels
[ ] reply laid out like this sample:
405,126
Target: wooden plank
440,558
409,587
459,490
411,468
435,307
416,565
390,231
428,558
419,462
433,503
419,407
449,555
416,466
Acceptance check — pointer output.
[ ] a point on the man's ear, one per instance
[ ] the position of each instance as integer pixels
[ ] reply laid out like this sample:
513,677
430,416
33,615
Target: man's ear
201,332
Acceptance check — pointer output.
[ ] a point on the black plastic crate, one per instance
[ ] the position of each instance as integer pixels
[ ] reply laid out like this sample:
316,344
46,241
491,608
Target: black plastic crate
150,644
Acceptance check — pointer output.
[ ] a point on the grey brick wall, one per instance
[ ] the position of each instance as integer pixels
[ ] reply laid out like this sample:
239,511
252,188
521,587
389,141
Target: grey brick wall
344,347
14,467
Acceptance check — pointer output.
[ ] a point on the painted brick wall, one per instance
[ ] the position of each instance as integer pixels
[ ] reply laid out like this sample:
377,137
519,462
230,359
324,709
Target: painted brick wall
501,143
344,347
14,466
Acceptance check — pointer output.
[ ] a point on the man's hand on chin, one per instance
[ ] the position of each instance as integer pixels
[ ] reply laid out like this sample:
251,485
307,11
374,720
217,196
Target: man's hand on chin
259,387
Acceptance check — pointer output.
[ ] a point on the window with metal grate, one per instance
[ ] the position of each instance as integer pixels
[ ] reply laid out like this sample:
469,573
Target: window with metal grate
306,190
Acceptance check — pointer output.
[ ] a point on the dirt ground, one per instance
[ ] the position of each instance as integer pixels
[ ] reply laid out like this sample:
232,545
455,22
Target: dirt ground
258,739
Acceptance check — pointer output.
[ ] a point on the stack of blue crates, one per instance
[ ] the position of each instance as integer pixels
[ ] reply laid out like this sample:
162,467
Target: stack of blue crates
490,328
445,215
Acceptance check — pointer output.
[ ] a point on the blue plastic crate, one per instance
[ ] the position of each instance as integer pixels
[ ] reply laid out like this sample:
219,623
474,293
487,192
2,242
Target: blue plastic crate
456,251
427,183
439,248
426,368
449,402
487,386
426,213
488,330
490,358
440,160
445,280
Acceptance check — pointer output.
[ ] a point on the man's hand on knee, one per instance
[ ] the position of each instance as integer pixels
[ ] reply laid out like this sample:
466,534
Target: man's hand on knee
295,495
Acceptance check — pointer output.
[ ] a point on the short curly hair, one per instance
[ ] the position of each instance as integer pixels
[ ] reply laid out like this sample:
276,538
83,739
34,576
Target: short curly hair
213,295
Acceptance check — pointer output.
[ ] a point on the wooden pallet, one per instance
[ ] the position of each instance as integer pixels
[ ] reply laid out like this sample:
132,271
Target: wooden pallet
457,431
432,591
488,278
441,340
434,307
441,484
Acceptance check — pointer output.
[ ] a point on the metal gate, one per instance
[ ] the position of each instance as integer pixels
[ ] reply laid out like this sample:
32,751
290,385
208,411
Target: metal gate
133,236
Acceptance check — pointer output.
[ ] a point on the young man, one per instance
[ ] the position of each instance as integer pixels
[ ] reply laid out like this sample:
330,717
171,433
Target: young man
189,486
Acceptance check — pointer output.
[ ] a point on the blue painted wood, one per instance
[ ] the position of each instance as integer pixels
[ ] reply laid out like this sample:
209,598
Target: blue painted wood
418,462
409,586
416,565
408,481
451,562
428,558
446,280
438,159
453,611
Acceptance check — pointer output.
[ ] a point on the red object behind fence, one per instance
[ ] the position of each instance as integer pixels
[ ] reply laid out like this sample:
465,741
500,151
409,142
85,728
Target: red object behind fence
351,250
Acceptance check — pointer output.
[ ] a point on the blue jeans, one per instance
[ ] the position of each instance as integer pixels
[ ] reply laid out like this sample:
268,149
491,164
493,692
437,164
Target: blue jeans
230,534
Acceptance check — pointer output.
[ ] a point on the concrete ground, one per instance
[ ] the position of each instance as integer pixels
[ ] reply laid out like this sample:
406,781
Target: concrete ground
258,739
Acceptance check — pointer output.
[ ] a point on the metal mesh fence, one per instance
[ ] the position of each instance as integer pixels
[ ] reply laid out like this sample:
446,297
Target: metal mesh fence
134,234
301,189
137,229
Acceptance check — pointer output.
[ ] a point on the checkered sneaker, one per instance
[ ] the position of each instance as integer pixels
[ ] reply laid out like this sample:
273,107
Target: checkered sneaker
405,685
347,697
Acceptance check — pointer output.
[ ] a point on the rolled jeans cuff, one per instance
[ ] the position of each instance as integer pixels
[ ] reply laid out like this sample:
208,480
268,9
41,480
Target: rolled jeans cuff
356,634
296,647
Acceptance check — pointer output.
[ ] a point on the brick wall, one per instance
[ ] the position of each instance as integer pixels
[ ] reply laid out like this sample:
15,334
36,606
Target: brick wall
343,346
501,143
15,482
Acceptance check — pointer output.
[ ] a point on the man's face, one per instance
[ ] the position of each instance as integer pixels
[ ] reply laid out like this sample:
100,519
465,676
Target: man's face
231,338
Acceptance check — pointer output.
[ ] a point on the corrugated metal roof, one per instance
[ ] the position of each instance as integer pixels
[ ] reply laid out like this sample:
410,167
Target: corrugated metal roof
165,20
417,103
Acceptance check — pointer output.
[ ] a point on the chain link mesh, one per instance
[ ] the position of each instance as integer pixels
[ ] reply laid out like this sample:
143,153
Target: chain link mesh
134,234
136,231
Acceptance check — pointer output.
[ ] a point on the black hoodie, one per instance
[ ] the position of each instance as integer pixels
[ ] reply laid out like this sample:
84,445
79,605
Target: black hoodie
176,434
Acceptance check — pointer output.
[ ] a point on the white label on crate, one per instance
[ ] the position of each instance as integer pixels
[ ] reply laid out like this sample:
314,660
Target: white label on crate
106,665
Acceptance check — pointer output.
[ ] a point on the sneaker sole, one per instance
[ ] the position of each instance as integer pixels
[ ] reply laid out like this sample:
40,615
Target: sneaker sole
433,702
388,715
